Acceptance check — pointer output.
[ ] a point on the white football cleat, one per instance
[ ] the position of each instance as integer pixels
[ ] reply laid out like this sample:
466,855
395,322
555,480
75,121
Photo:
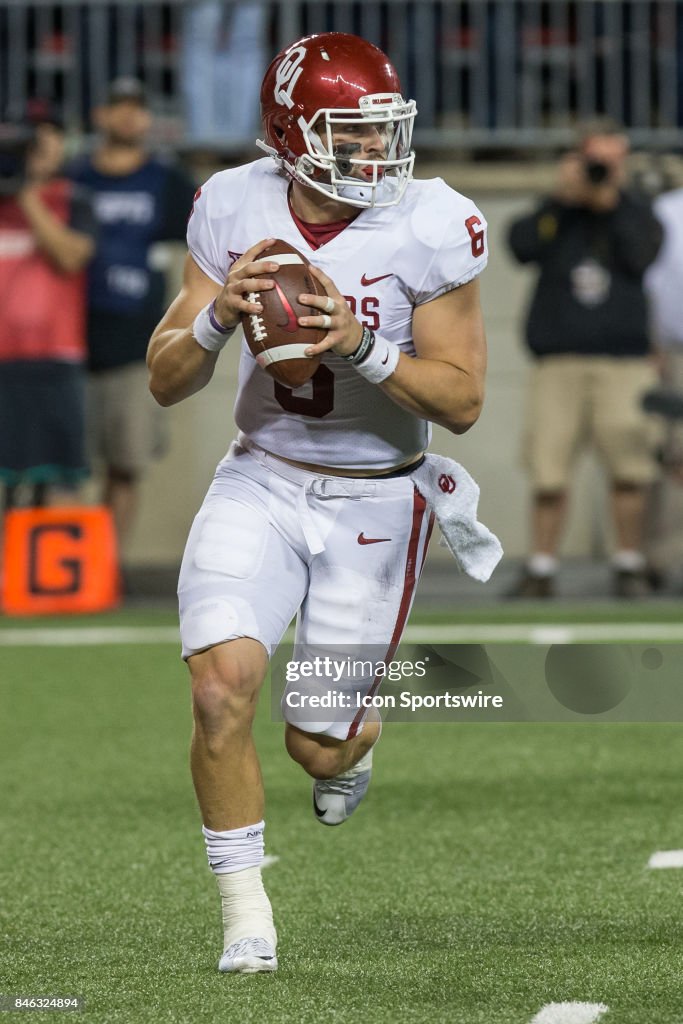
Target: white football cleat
248,956
335,800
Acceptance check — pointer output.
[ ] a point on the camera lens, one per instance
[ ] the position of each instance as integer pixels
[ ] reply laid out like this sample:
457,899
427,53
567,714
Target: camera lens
596,172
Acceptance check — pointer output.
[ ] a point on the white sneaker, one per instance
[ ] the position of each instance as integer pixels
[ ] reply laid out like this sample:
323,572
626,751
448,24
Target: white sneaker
334,800
248,956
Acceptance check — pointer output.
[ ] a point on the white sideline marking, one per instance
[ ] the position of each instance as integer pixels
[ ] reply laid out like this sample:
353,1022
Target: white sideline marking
269,860
666,859
80,636
570,1013
527,633
517,633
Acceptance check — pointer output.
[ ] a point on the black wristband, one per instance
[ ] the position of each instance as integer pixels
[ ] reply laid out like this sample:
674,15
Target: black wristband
367,341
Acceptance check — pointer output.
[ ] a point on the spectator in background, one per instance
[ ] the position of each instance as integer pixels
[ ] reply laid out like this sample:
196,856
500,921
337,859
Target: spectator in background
139,200
223,53
46,239
587,331
664,287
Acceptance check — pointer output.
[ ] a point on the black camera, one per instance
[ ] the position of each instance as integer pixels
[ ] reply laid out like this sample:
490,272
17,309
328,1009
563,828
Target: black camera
15,143
596,172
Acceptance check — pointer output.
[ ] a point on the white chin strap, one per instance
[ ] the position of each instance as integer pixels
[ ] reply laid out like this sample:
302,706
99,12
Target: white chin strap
382,192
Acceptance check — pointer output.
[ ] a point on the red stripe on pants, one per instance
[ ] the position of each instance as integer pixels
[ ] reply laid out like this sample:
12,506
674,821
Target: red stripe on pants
412,574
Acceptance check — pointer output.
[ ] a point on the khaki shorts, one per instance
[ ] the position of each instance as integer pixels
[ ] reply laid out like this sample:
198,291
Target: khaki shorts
126,427
577,401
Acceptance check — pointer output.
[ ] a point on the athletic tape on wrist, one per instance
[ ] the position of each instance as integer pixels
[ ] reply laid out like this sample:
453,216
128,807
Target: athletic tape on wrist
380,362
208,332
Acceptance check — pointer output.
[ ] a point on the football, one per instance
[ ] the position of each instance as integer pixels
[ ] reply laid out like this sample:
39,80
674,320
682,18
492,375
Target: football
274,336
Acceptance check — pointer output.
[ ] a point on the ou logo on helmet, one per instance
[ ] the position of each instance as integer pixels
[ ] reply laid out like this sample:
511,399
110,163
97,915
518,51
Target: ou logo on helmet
287,76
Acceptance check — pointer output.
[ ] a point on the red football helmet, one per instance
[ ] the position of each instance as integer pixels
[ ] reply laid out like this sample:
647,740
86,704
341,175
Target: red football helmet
316,96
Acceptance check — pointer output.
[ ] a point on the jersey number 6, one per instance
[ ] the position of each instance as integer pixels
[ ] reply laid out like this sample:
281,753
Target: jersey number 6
477,236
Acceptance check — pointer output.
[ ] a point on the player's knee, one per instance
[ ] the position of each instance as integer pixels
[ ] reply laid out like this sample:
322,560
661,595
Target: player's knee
224,691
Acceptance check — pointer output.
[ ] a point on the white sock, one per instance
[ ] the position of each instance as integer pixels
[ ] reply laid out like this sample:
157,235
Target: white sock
235,857
235,849
628,561
542,565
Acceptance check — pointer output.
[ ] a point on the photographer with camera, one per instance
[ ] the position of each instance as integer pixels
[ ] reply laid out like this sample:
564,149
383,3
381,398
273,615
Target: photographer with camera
46,240
587,331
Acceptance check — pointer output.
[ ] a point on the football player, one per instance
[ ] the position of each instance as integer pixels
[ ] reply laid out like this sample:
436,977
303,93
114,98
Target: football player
314,511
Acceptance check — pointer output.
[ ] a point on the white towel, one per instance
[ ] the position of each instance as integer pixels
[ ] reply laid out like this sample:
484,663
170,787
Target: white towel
453,496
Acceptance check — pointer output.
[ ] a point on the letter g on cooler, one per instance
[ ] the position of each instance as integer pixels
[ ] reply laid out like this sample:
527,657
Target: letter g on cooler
65,574
59,560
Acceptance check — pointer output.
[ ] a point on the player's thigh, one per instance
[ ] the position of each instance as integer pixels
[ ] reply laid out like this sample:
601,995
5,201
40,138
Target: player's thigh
239,577
362,585
626,437
555,425
360,595
134,427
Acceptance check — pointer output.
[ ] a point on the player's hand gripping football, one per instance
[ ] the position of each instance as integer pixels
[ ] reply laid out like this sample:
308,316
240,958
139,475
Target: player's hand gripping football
344,332
231,302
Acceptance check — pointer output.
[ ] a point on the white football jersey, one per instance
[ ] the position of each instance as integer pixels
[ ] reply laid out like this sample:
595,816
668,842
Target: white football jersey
386,262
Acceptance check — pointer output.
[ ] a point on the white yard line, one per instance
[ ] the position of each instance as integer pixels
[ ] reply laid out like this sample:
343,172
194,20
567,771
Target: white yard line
596,632
666,859
580,632
570,1013
269,860
86,636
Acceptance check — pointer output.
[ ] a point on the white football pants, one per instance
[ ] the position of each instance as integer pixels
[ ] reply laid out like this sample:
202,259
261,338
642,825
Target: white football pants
271,541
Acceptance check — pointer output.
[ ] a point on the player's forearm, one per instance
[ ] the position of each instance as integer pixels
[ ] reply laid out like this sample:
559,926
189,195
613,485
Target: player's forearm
178,366
436,391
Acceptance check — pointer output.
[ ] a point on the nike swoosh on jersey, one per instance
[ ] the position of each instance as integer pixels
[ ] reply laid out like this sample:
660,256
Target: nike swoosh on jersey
365,281
290,325
371,540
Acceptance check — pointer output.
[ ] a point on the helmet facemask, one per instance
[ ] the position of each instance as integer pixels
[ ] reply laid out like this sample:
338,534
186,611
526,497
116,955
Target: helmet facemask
332,167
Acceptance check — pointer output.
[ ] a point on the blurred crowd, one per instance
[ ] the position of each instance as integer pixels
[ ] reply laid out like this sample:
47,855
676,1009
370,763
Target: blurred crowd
80,295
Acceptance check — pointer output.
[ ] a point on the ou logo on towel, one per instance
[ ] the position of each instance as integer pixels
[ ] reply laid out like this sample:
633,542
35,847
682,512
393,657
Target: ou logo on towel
446,483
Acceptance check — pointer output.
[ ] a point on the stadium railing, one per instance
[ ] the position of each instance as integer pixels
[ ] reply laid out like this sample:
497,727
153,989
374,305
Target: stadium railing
491,74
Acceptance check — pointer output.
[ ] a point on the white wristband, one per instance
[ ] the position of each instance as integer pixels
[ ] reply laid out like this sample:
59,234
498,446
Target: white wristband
380,362
208,332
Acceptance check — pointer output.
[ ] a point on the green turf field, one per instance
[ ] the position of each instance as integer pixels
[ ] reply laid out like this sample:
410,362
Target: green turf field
493,869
